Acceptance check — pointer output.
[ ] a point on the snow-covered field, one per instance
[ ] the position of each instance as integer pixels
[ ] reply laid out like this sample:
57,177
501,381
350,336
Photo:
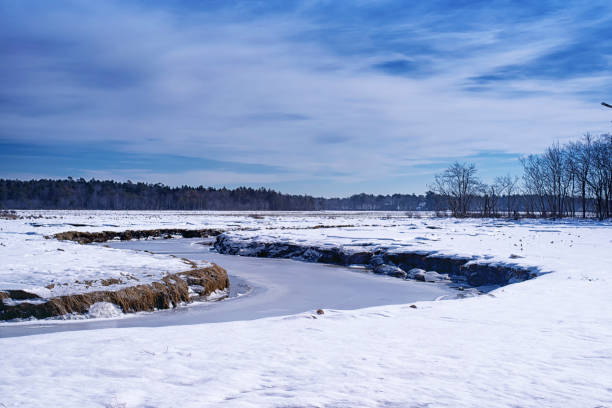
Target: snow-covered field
48,267
544,246
545,342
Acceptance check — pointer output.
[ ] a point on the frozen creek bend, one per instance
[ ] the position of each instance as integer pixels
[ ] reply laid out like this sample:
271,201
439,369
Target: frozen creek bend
277,287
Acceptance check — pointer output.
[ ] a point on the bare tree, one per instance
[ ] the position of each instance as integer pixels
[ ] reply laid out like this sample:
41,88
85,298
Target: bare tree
506,187
533,181
600,178
459,185
582,158
561,174
556,178
490,195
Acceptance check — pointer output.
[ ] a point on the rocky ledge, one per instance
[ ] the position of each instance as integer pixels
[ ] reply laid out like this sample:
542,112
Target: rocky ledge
170,291
418,265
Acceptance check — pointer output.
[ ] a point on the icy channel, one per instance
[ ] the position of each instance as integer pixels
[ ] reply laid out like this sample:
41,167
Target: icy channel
277,287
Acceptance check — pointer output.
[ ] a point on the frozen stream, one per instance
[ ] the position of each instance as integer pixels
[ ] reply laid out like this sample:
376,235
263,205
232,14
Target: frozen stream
277,287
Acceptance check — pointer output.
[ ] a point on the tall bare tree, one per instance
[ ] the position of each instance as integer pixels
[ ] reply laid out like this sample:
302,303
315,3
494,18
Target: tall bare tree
582,157
459,184
506,186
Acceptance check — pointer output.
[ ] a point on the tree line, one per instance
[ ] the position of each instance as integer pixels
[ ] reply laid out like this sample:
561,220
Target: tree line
111,195
573,179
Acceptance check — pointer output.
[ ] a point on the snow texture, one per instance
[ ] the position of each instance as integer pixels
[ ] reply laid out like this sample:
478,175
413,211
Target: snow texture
49,268
104,310
544,342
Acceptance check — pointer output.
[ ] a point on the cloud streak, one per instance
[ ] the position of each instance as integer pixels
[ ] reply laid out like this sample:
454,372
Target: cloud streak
331,96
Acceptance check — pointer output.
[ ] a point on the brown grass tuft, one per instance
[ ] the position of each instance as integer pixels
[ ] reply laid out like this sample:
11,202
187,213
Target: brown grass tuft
172,290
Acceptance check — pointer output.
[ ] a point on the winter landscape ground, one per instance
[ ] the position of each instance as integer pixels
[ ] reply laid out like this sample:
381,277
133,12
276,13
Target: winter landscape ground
539,338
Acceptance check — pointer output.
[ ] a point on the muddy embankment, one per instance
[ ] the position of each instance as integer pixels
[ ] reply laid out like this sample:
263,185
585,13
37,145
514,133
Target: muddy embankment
170,291
103,236
418,265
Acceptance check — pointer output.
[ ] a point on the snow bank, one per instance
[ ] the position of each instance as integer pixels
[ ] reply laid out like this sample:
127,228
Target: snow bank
65,277
51,268
538,245
380,259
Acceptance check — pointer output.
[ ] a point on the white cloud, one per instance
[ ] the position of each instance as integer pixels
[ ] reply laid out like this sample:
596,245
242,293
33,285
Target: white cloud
200,87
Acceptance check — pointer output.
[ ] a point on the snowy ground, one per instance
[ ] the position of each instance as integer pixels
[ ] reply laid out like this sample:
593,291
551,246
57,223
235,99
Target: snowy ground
53,268
48,267
260,288
544,245
542,342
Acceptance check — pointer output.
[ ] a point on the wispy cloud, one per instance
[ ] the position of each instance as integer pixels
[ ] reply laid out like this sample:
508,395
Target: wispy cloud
336,96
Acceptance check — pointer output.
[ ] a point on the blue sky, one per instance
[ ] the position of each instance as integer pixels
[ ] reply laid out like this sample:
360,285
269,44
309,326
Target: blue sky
321,97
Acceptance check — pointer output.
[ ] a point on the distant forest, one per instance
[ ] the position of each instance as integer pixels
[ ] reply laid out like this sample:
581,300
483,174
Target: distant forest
570,180
111,195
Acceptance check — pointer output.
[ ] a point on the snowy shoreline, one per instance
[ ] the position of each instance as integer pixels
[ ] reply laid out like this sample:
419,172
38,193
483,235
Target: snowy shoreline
170,291
389,243
419,265
43,277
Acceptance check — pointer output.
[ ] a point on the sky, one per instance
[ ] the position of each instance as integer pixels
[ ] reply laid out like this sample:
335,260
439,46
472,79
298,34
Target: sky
321,97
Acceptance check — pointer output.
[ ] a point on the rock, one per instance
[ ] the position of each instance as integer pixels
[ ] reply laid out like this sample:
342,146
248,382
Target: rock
358,258
433,276
413,306
417,274
376,260
320,311
390,270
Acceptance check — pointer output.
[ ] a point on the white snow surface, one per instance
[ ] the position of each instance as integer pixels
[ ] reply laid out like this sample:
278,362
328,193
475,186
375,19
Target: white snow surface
104,310
48,267
545,342
544,246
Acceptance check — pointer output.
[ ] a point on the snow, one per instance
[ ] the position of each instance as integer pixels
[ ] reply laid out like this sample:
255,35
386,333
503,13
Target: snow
275,287
48,267
104,310
552,246
475,352
541,342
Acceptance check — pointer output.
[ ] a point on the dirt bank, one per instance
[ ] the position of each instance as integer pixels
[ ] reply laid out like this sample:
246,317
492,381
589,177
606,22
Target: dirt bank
400,264
103,236
170,291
